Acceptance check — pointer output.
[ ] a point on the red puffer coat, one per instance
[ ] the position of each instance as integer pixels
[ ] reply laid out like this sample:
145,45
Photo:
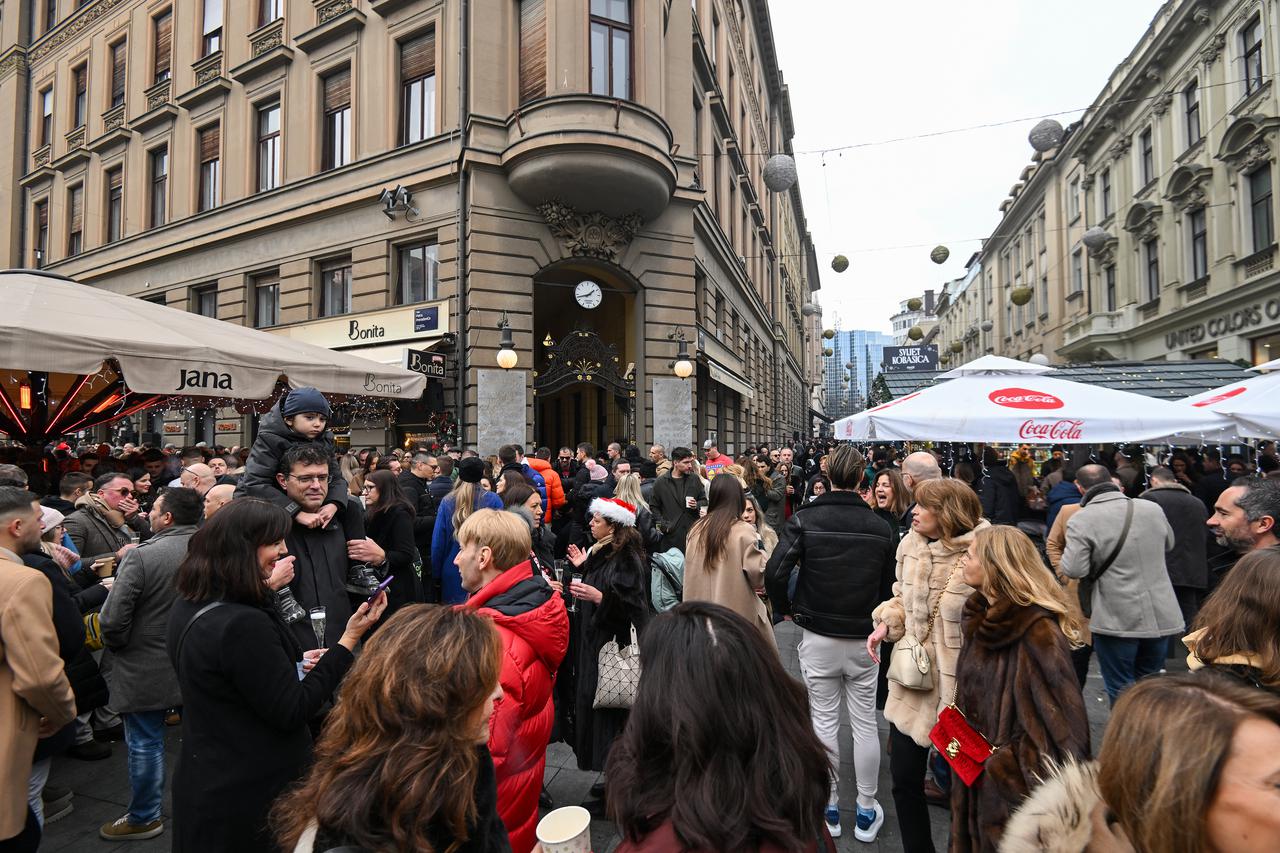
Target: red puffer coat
534,627
555,486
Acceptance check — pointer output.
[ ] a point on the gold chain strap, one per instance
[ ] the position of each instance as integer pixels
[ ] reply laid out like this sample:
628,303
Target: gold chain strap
937,605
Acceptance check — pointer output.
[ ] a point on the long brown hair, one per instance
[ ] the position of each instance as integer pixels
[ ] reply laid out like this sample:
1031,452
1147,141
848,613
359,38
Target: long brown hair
725,505
1240,617
1013,572
957,507
1164,750
389,494
398,752
900,500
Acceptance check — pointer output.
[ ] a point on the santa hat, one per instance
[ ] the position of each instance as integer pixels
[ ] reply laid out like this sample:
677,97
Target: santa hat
612,509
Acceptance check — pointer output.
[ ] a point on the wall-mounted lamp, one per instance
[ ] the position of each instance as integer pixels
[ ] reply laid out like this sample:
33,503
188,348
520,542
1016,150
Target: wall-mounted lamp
398,200
507,357
24,396
682,366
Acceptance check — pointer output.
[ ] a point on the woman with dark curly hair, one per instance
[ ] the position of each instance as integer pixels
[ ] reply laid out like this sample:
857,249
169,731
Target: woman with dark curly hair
402,765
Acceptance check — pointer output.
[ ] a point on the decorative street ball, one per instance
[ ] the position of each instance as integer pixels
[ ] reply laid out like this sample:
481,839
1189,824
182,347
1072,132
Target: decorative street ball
915,333
1040,359
939,254
957,346
987,325
848,365
809,309
1045,135
827,352
915,304
828,333
1021,295
1095,238
780,173
839,263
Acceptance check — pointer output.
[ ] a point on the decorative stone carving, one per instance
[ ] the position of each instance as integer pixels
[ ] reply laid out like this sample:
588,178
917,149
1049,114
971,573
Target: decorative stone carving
1213,48
1255,155
1086,183
327,11
267,38
590,235
158,95
75,139
1120,146
1188,187
209,68
40,157
1247,142
113,119
70,30
1160,105
1143,220
1201,16
13,62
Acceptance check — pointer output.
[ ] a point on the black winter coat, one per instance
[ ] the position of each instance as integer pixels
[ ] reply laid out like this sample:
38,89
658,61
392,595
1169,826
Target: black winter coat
1188,562
393,531
244,722
845,554
274,438
68,625
1001,502
320,580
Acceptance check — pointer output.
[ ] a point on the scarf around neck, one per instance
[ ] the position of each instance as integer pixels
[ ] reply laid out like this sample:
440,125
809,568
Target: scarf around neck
96,504
599,546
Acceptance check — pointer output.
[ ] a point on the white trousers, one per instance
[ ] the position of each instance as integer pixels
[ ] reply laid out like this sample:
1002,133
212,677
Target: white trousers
832,667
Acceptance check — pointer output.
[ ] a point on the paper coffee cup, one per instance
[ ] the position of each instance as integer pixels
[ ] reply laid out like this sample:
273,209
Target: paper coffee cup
565,830
105,566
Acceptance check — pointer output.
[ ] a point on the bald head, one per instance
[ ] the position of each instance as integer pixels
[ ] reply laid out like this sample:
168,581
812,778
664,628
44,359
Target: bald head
1088,476
198,476
918,467
216,498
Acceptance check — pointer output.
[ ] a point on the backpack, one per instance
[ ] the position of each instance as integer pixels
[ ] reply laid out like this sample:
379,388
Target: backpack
667,579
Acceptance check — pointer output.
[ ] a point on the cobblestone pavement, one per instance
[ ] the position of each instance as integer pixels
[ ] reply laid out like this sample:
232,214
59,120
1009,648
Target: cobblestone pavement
102,787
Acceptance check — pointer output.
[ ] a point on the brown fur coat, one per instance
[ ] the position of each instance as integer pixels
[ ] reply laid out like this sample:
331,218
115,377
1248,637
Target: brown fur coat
1018,688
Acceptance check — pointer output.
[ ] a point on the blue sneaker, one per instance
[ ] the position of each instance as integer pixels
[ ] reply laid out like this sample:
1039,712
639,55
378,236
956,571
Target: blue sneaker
868,823
833,821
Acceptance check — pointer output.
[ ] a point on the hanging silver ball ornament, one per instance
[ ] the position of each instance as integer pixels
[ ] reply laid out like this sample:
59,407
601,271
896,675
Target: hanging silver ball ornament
839,263
915,333
848,365
915,304
780,173
987,326
828,333
1045,135
939,254
1021,295
1040,359
809,309
957,346
1095,238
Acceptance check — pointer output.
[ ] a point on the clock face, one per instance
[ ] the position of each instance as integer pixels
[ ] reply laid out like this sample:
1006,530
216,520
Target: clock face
588,294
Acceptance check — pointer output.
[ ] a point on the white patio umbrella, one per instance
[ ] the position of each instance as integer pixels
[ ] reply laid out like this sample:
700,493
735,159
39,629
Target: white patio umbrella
61,341
1254,403
1024,407
993,364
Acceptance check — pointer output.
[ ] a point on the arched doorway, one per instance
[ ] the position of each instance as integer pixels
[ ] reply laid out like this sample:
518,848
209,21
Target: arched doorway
584,383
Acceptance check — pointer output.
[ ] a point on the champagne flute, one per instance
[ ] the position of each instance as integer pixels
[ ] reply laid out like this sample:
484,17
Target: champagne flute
317,624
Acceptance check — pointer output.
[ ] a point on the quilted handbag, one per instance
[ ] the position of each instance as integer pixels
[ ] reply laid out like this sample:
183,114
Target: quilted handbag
963,746
619,674
909,663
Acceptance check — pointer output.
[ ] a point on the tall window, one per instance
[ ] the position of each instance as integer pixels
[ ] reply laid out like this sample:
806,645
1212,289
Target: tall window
1147,154
41,247
1105,181
115,204
212,28
533,49
1073,200
119,59
1260,208
1251,46
335,288
205,300
417,274
1077,271
337,119
270,10
75,220
266,301
1199,244
46,116
611,48
715,37
418,88
269,146
50,14
1109,279
163,30
1191,109
1151,255
159,187
80,104
210,151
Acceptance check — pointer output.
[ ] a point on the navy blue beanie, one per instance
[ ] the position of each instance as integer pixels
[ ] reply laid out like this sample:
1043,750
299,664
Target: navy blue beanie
301,400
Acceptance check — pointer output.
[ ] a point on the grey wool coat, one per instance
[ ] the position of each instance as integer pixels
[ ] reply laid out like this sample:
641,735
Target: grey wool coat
134,621
1134,598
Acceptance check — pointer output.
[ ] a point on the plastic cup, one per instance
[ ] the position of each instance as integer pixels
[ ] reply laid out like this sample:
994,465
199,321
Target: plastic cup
565,830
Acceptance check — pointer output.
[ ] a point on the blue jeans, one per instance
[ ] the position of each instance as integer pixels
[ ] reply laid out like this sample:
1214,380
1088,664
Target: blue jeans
1124,660
144,736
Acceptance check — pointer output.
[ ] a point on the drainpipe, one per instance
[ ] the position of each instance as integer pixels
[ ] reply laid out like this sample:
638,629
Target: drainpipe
464,116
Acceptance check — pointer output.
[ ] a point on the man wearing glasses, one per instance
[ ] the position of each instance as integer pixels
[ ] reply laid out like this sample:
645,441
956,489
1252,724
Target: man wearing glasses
107,521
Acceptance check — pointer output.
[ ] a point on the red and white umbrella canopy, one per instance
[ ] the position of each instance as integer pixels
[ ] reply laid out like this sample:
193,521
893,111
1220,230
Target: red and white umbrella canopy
1254,404
1025,407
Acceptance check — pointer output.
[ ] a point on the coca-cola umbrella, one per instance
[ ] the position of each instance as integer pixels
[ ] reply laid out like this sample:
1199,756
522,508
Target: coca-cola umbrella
1254,404
74,356
1025,407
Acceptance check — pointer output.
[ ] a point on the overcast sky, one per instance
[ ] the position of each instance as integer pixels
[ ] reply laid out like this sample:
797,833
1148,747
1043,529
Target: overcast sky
861,71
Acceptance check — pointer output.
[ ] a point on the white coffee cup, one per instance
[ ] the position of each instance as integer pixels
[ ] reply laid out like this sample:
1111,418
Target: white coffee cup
565,830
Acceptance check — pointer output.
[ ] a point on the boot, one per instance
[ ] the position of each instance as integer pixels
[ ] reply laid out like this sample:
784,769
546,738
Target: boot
362,580
288,607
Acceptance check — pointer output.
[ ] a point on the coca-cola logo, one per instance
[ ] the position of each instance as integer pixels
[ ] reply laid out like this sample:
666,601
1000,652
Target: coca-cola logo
1060,430
1218,398
1022,398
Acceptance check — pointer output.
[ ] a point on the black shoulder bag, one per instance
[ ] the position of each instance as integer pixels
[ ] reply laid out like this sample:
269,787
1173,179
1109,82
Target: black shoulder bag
1087,582
182,638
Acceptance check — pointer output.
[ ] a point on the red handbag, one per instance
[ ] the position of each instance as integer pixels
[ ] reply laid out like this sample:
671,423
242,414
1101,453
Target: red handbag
963,746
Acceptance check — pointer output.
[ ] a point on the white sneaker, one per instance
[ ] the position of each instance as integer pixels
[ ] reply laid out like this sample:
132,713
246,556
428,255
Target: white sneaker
868,823
833,821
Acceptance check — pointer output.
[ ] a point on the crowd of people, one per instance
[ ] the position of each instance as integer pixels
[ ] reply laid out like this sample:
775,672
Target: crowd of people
373,651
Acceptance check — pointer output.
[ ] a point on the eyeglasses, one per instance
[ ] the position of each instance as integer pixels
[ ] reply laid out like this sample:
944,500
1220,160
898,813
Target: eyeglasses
120,491
308,479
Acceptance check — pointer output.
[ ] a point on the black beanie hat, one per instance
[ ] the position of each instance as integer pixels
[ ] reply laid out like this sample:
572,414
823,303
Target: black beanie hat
470,470
301,400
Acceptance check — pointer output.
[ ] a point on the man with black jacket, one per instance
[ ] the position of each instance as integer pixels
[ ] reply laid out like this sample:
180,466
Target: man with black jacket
844,557
1000,498
677,499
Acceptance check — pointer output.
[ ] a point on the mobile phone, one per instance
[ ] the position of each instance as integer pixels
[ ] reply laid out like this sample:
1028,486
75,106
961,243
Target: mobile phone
382,586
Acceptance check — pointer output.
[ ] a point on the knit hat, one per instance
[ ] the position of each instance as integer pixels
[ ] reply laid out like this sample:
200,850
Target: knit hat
599,473
470,470
49,518
301,400
612,509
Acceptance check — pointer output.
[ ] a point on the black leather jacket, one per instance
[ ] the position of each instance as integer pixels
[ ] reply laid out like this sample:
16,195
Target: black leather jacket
845,554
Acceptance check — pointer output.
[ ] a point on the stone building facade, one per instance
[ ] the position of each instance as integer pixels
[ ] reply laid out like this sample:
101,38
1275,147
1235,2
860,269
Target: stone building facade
384,176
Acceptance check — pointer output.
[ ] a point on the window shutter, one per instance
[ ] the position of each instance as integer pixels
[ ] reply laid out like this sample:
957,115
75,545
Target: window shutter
164,44
210,143
533,49
337,90
77,210
418,57
118,53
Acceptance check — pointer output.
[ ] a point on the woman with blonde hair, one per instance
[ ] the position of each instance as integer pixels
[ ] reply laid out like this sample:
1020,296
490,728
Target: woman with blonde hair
1014,681
1235,632
928,601
628,489
1189,764
403,764
466,497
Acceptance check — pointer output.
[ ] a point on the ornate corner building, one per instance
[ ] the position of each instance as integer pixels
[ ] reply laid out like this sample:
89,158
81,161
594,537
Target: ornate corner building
401,176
